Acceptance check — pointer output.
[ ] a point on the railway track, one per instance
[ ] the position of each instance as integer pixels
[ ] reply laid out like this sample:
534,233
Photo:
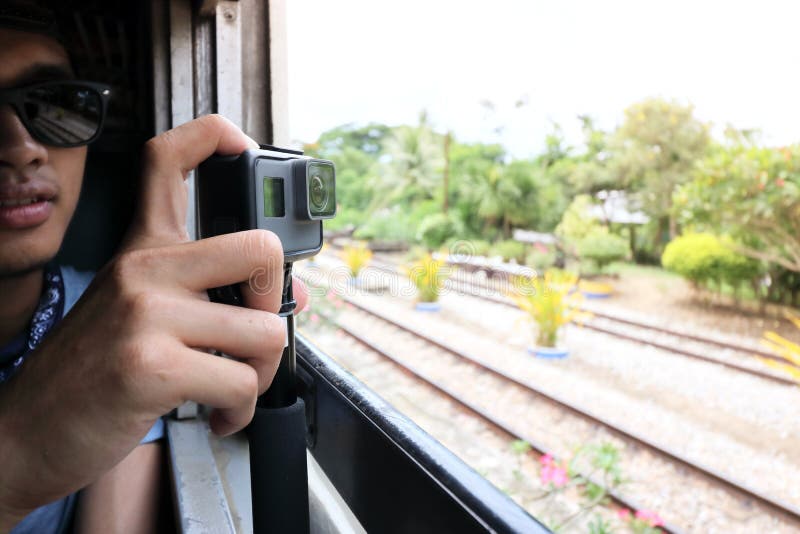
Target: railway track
538,448
786,510
647,334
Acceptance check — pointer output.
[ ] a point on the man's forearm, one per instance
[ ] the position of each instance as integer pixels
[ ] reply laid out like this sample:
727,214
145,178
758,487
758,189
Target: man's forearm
126,500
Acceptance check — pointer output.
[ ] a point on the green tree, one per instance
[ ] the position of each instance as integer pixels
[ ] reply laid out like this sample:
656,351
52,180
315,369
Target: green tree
413,170
468,162
355,151
368,139
653,152
751,193
590,171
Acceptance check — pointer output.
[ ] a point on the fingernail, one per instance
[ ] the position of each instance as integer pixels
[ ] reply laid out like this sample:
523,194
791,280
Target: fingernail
253,144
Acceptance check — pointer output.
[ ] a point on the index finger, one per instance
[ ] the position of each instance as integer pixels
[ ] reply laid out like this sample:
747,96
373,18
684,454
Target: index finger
253,256
168,158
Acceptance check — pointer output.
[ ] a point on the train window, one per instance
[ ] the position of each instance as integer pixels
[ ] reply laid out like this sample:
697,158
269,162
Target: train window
566,245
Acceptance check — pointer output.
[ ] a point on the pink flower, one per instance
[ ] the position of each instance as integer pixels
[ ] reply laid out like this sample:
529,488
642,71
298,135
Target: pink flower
546,459
314,318
651,517
552,474
331,296
624,514
559,477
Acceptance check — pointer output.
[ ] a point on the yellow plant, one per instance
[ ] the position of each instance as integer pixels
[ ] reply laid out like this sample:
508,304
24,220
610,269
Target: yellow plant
786,349
356,257
549,302
428,275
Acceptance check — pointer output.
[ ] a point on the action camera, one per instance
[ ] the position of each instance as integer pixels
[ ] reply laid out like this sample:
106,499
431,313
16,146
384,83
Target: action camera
271,188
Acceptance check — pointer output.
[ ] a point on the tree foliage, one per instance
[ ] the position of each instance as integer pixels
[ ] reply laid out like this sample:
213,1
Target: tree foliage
751,193
412,169
656,150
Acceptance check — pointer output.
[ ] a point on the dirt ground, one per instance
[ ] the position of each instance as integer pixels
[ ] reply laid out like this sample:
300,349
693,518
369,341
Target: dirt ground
673,301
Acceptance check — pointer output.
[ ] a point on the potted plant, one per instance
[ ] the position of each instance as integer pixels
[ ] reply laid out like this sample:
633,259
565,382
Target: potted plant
428,275
593,289
600,248
550,302
356,256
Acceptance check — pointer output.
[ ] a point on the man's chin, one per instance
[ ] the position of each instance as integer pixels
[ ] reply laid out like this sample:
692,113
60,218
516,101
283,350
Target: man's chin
19,269
26,251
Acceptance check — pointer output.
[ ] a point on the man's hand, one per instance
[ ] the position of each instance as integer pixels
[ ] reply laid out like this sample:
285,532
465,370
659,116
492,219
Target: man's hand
129,351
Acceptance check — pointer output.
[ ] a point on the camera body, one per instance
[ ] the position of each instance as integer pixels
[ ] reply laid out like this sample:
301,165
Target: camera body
271,188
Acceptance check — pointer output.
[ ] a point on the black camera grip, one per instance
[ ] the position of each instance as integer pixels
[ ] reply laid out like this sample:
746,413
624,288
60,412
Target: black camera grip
226,295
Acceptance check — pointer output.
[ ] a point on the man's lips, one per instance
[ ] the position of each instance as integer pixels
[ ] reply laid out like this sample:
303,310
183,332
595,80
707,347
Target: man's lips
29,214
25,201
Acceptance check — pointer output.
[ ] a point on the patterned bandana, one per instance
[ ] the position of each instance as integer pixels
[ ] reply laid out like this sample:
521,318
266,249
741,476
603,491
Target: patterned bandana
47,314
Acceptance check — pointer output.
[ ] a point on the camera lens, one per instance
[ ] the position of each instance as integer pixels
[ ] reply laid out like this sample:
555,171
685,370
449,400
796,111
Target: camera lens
321,184
319,193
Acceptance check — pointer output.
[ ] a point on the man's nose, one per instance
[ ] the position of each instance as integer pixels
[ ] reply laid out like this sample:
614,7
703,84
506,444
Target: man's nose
18,148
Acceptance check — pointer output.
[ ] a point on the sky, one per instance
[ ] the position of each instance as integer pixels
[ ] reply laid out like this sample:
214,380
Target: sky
358,61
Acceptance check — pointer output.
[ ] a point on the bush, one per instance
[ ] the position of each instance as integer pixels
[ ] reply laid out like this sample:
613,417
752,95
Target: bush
540,260
467,248
707,260
480,247
602,247
511,250
434,230
388,225
576,223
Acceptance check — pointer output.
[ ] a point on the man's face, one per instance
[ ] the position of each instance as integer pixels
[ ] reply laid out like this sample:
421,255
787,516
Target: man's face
39,184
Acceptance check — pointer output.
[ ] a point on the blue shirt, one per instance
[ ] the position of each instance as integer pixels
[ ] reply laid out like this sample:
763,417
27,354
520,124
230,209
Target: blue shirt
56,517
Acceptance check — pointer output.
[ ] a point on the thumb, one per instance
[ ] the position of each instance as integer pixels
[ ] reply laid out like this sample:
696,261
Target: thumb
160,217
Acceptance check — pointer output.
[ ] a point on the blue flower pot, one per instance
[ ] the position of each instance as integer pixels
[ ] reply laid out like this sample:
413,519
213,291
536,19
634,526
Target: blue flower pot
428,306
549,352
592,295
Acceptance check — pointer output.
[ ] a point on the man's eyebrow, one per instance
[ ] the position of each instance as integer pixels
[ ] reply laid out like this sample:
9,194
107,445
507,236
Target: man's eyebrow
42,72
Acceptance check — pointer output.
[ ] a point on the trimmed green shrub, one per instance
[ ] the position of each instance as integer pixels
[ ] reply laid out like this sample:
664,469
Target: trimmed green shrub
386,225
540,260
706,260
510,250
602,247
480,247
435,230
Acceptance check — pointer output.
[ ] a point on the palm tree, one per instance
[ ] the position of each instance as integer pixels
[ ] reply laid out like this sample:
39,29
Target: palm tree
413,168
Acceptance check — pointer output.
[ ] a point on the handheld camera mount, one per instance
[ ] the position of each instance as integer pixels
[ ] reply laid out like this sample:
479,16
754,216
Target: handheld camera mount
289,194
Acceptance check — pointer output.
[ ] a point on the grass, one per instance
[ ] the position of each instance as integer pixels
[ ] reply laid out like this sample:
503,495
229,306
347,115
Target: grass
624,269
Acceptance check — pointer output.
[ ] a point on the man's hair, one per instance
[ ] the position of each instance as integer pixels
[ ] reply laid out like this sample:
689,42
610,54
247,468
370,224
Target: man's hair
29,16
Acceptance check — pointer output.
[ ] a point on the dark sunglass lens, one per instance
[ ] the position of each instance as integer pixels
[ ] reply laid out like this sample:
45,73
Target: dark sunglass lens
64,114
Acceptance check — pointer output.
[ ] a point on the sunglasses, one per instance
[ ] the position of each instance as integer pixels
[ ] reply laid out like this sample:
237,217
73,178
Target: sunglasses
66,113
